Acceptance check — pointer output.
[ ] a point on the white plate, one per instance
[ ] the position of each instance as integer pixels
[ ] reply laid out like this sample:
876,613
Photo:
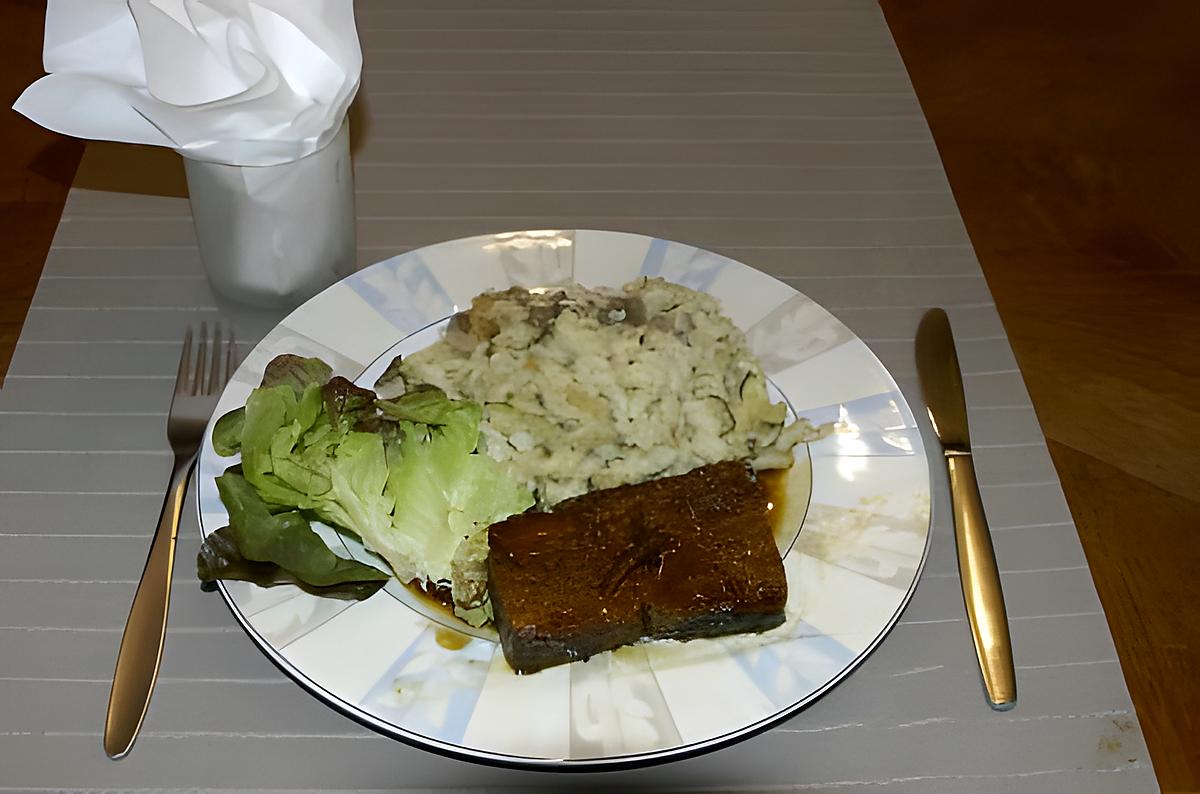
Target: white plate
392,664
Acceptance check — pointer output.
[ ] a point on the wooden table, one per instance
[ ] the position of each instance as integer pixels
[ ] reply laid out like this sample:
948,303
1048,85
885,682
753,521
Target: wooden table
1067,134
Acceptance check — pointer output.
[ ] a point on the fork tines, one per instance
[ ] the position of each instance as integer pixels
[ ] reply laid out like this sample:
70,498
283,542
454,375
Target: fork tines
211,366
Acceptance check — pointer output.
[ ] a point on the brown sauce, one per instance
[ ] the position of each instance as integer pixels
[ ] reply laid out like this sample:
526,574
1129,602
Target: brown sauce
436,598
450,639
775,483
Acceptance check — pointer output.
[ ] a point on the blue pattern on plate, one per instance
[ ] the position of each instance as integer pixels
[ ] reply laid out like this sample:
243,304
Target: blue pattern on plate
210,503
774,668
211,466
683,264
422,710
403,290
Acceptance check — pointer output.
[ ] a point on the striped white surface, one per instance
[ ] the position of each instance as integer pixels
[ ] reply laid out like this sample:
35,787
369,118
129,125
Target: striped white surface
784,134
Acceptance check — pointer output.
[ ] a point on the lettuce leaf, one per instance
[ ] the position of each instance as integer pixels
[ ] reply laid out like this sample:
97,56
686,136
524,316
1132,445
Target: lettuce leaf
347,405
273,445
357,499
285,539
428,406
444,493
468,579
402,474
227,432
297,372
220,558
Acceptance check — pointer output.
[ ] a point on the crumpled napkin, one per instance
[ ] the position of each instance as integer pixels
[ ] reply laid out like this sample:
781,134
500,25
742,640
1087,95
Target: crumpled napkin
239,82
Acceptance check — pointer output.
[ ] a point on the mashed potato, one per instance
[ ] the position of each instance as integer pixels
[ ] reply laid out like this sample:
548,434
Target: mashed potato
585,389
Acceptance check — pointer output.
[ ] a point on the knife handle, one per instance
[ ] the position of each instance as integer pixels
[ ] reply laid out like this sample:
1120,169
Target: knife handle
981,584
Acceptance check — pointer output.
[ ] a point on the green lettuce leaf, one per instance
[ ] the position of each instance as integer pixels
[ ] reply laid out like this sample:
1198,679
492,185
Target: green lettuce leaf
297,372
469,577
280,426
220,558
429,406
357,499
402,474
227,432
347,405
443,495
285,539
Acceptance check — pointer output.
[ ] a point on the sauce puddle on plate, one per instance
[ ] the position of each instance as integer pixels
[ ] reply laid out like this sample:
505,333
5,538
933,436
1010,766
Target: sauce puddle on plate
788,492
450,639
437,601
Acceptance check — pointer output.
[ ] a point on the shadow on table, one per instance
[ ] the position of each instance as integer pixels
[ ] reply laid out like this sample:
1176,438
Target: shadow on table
127,168
155,171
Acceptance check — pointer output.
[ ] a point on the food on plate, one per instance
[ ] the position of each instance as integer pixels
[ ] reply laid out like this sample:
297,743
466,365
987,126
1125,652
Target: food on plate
680,557
586,389
638,416
278,548
402,474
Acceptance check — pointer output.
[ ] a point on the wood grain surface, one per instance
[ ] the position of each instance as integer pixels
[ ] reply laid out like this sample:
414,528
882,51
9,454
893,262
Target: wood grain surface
36,167
1067,131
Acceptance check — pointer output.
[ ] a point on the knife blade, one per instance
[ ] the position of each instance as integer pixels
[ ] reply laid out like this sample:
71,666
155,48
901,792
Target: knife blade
941,384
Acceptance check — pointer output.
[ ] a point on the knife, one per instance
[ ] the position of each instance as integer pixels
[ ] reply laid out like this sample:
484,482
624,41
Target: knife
941,383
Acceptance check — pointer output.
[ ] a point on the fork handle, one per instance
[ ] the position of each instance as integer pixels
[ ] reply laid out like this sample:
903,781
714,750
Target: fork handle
142,643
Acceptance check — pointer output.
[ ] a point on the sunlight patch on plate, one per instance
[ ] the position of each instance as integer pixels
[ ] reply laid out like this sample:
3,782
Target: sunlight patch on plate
608,259
684,670
525,715
853,622
617,707
348,654
859,374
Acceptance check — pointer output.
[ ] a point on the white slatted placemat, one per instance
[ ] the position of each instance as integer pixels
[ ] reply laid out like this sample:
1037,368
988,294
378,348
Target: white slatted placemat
784,134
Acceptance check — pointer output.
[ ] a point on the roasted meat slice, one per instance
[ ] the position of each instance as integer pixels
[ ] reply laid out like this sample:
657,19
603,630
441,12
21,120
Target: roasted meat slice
681,557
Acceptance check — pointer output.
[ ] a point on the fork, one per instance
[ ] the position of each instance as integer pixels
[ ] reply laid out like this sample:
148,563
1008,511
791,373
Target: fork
203,373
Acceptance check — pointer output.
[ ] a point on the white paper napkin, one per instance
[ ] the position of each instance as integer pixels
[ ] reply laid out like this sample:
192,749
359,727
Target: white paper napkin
240,82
